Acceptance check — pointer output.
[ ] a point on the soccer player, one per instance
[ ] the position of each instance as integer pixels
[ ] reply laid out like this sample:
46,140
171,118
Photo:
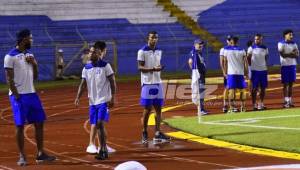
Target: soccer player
236,67
225,92
289,53
99,79
59,64
92,148
21,69
257,54
197,64
152,90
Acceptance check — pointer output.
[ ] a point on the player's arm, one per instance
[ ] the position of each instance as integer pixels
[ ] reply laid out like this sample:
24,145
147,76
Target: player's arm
142,68
246,66
190,63
294,54
222,64
9,72
225,66
113,87
80,91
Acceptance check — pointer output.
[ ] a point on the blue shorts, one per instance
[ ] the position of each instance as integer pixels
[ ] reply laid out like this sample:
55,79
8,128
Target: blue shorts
152,95
236,82
99,112
259,79
27,109
288,74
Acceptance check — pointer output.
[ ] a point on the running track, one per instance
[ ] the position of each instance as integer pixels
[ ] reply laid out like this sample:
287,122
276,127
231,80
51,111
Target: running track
67,134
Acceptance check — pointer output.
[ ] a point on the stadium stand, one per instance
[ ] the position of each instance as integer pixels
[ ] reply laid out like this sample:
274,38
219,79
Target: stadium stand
59,24
245,18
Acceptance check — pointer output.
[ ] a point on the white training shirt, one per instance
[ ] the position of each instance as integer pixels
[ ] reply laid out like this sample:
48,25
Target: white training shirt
287,48
23,71
258,57
98,85
235,59
152,59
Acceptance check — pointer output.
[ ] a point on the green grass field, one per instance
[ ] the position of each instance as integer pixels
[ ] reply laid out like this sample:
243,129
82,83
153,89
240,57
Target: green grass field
273,129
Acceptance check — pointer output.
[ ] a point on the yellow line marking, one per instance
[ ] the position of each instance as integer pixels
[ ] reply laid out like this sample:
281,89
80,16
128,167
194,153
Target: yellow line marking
223,144
238,147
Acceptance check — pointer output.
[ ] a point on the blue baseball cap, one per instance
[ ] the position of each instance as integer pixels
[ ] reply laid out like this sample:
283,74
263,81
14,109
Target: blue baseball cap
198,41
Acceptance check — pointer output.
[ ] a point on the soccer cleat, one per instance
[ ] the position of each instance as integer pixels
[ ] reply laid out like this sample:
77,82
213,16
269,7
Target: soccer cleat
101,155
235,110
22,161
160,138
109,149
203,112
225,109
91,149
261,107
144,137
45,158
255,108
286,105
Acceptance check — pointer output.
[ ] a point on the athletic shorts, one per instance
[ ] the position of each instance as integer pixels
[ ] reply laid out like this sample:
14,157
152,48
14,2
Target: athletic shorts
259,79
27,109
152,95
99,112
288,74
236,82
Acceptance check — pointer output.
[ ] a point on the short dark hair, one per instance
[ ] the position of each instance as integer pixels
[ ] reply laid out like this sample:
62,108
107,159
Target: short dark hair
287,31
100,45
22,34
235,39
249,43
258,35
152,32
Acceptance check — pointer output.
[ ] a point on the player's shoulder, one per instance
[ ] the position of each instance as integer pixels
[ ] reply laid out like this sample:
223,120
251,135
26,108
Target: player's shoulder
102,63
258,46
13,52
287,42
88,66
146,48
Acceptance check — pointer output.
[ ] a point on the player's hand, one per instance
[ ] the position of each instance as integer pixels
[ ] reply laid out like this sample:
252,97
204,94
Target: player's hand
76,102
17,96
111,103
158,68
31,60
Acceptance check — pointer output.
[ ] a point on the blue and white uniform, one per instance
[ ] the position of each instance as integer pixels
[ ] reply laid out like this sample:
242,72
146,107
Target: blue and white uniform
259,74
235,72
28,108
152,88
198,78
99,91
288,65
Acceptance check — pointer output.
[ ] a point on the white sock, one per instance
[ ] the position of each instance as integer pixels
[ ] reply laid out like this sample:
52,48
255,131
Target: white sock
290,99
286,99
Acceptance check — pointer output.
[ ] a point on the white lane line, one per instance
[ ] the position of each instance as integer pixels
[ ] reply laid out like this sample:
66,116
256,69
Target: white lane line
5,167
253,126
254,118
